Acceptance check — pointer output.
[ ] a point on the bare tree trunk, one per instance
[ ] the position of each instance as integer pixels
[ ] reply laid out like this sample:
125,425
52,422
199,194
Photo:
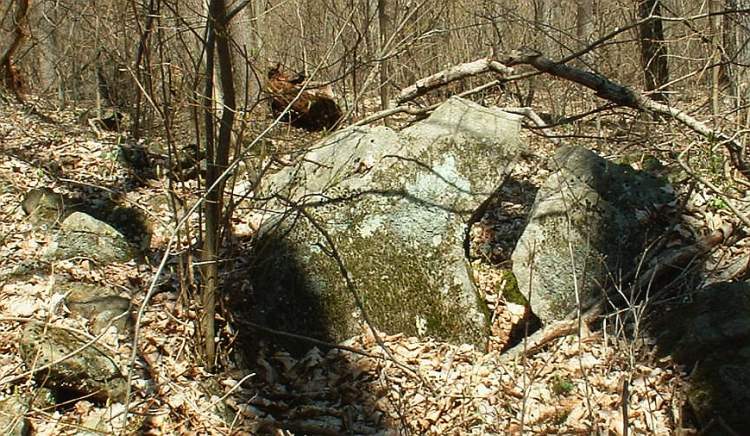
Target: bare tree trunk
715,6
737,46
585,25
653,50
384,32
11,76
45,36
143,56
242,32
543,20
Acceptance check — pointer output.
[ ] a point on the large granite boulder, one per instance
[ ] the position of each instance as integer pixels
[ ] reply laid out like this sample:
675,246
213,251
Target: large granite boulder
392,210
710,336
588,225
90,372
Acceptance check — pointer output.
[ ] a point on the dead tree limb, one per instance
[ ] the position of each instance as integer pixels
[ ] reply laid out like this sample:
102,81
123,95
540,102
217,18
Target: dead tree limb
416,111
624,96
451,74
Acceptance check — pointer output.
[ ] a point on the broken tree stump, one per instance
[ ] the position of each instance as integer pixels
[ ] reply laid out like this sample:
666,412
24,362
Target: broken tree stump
311,105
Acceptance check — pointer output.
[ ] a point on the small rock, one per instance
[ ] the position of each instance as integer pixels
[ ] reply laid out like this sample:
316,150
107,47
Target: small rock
82,235
43,206
12,419
91,372
98,304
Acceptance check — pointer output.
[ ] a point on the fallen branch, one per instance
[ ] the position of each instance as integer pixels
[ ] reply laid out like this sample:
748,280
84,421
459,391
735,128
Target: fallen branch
416,111
451,74
624,96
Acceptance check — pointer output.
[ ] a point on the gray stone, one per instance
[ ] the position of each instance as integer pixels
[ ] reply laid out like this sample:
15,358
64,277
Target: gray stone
90,372
81,235
12,416
710,336
43,206
589,223
395,206
99,304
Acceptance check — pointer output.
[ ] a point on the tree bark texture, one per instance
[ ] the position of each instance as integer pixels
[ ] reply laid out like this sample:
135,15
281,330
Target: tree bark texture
217,155
653,50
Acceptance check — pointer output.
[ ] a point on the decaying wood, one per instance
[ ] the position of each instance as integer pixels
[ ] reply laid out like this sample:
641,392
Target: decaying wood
604,88
449,75
12,77
624,96
311,105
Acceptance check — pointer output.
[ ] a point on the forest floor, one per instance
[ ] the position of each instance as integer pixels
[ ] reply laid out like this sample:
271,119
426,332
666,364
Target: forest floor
416,386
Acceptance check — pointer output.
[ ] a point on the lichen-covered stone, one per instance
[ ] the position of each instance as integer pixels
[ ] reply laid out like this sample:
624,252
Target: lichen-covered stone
82,235
43,206
589,223
91,372
391,209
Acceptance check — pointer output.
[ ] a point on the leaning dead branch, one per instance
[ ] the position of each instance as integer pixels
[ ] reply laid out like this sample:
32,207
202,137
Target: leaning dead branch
604,88
624,96
452,74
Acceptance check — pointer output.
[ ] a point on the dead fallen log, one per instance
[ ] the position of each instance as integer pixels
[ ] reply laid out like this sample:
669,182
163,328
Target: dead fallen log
449,75
624,96
310,105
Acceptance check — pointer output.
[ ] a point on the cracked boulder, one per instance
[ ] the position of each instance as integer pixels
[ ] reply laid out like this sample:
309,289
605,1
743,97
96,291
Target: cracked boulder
371,226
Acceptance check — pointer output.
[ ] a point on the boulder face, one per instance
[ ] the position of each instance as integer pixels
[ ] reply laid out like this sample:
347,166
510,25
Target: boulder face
588,224
392,210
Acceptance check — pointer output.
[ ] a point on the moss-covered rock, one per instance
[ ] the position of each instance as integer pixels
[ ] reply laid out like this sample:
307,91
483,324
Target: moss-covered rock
82,235
391,209
90,372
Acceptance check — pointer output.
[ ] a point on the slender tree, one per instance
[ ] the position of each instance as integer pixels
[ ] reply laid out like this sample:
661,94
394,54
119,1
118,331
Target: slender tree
653,50
217,156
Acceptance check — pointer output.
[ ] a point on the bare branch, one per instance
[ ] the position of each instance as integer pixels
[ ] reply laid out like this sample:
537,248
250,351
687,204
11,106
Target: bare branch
452,74
624,96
